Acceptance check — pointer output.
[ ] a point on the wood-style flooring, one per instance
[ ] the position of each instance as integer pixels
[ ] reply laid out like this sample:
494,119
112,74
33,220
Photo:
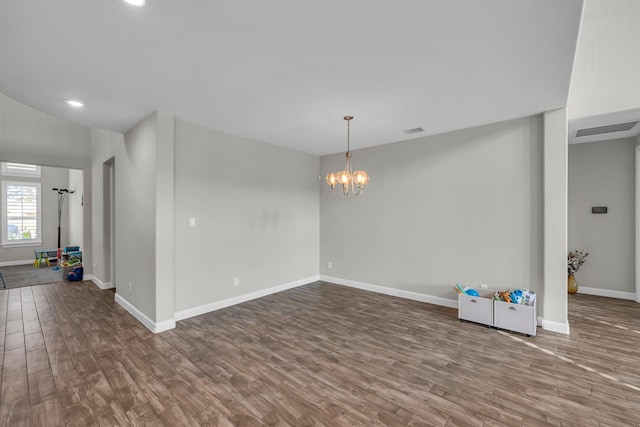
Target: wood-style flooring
319,354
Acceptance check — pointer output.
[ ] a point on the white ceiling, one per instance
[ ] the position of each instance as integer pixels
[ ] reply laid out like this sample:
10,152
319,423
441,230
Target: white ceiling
286,71
604,82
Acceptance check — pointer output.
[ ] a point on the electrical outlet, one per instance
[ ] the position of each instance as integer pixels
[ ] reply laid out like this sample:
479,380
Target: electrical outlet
329,265
236,281
192,221
483,286
130,287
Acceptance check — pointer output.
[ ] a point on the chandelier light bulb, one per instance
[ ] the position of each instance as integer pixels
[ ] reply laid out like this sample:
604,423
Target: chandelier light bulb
344,177
360,178
332,179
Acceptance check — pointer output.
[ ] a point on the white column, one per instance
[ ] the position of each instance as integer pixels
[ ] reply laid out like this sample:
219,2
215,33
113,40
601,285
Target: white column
554,316
164,236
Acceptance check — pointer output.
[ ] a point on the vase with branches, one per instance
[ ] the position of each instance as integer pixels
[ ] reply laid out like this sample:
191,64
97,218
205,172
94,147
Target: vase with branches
575,259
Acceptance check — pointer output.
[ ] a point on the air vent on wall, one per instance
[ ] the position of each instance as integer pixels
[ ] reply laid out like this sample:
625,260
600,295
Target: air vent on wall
412,131
606,129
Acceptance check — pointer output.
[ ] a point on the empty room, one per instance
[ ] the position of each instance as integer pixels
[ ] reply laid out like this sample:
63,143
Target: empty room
328,213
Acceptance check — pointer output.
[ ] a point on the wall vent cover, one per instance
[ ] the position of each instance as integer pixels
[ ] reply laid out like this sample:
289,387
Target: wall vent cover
412,131
606,129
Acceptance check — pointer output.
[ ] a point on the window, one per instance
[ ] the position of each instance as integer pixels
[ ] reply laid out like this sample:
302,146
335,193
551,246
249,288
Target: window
21,217
20,169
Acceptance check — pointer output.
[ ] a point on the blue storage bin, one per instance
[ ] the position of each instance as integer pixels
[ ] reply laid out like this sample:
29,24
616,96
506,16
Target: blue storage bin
75,274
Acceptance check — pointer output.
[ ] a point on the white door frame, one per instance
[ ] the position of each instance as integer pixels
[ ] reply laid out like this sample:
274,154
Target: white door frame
637,223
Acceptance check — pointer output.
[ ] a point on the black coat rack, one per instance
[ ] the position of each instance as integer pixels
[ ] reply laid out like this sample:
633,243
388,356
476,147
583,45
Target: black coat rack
62,194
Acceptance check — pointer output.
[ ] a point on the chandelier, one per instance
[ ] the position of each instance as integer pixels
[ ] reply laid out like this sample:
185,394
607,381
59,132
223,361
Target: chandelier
348,178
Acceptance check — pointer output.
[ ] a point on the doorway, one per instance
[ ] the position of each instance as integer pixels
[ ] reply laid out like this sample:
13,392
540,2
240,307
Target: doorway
108,223
35,219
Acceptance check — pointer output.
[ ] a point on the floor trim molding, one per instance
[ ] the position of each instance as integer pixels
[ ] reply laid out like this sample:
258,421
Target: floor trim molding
99,283
607,293
154,327
217,305
416,296
551,326
21,262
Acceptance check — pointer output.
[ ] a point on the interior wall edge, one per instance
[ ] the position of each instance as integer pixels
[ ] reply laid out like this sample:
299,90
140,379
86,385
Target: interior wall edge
99,283
154,327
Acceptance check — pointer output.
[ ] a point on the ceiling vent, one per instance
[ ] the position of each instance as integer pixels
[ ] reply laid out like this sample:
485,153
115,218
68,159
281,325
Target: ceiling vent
412,131
606,129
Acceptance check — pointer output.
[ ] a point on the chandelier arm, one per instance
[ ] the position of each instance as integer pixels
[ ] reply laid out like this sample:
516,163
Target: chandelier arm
353,189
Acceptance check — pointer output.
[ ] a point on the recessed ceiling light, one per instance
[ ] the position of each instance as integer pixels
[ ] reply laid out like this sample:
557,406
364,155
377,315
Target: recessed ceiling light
136,2
74,103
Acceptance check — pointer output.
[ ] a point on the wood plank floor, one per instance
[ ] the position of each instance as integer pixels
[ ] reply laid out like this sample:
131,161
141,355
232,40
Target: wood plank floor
320,354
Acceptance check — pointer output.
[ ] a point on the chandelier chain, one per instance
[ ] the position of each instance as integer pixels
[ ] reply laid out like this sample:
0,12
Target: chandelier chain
348,134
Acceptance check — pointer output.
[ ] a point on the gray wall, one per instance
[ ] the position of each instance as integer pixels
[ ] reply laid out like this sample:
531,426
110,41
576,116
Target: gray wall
462,207
135,212
257,215
51,177
603,174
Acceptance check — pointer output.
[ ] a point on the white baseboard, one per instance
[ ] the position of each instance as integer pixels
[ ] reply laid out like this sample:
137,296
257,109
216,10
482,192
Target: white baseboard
551,326
217,305
21,262
154,327
607,293
446,302
165,325
99,283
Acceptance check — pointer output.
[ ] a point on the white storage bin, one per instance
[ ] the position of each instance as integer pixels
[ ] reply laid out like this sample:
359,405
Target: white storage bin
500,314
515,317
476,309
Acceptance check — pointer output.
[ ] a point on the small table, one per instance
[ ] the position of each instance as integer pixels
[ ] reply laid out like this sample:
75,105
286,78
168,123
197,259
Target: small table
44,254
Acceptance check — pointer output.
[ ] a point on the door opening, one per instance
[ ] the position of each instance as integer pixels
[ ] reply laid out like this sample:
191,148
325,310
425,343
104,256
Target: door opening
108,224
